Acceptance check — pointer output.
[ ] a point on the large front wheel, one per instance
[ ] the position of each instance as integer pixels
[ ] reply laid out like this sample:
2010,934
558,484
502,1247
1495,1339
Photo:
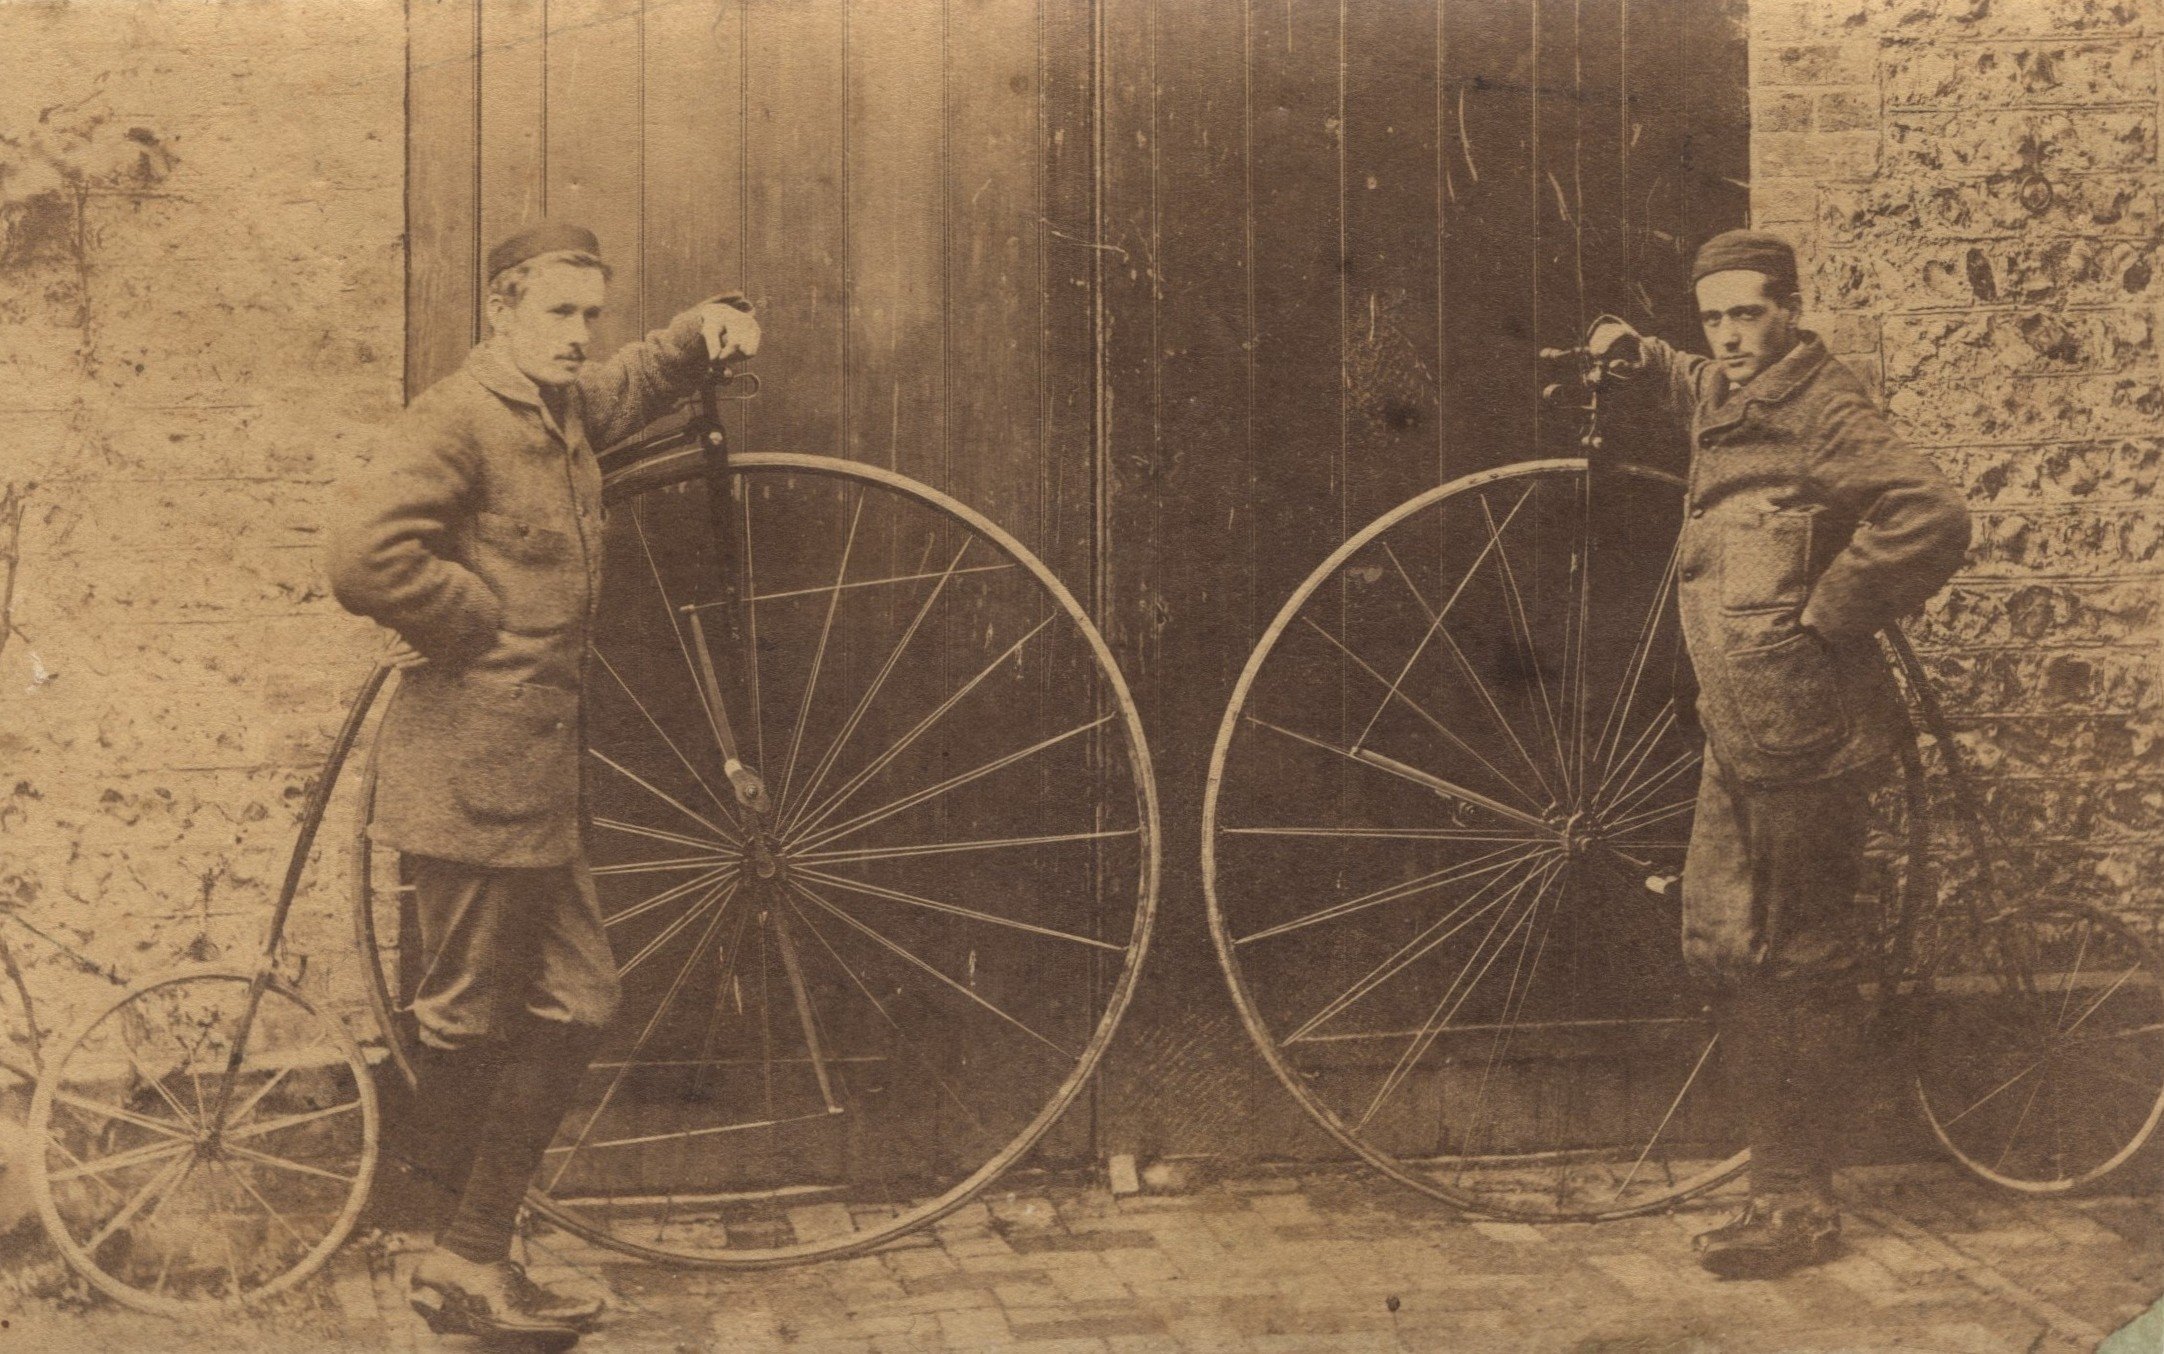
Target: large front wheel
846,1013
1445,817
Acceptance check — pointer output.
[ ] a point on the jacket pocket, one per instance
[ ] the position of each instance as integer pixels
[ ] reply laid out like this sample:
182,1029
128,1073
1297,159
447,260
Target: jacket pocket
1766,562
534,569
1788,694
516,757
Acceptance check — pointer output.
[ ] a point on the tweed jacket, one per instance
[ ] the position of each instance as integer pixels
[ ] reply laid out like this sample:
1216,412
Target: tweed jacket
1808,528
475,533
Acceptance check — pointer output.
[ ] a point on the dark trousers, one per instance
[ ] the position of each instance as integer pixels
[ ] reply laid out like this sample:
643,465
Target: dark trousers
517,984
1772,926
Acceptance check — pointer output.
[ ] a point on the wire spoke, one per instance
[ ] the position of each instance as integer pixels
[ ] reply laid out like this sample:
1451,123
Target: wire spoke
900,1035
883,582
1472,676
262,1158
1438,932
1406,834
819,654
707,862
804,824
661,795
257,1195
868,853
184,1132
266,1127
1617,720
659,835
157,1187
716,898
953,909
878,682
653,1022
1421,710
668,895
121,1161
1993,1094
676,628
903,953
1436,615
1370,757
1407,888
1639,822
1460,990
1634,758
910,801
1704,1056
662,733
1522,633
1683,764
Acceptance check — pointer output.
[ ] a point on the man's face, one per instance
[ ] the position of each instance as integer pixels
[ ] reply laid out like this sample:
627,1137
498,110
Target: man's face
549,330
1747,329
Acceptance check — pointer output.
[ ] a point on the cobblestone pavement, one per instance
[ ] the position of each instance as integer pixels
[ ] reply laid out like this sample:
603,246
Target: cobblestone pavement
1326,1261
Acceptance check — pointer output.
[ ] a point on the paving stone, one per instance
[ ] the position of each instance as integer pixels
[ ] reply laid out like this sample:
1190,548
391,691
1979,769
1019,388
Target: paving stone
985,1329
1512,1233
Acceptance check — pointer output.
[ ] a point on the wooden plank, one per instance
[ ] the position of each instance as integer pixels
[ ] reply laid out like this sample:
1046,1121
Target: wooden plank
793,219
694,139
514,118
1301,511
440,310
1176,558
895,141
992,313
1391,228
595,162
1489,246
1068,263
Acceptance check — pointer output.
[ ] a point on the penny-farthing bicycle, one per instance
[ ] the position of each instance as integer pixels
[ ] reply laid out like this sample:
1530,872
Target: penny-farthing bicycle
874,828
1444,821
855,994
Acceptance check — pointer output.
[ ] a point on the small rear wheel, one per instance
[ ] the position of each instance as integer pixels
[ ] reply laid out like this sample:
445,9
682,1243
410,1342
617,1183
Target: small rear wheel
2040,1045
203,1144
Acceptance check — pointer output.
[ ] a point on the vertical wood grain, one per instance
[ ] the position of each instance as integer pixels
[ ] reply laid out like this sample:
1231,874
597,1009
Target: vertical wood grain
596,158
514,117
440,188
897,377
794,241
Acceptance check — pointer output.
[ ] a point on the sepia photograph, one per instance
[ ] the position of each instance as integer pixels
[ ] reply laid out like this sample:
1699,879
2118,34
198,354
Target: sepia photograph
851,676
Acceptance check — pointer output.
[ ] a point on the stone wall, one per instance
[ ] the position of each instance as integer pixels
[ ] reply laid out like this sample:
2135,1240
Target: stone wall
1975,184
201,273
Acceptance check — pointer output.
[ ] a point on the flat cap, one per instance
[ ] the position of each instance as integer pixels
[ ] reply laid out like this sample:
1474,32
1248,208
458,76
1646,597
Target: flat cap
1749,250
547,237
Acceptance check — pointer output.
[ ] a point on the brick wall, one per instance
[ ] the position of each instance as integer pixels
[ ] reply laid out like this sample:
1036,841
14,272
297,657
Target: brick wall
1975,184
201,275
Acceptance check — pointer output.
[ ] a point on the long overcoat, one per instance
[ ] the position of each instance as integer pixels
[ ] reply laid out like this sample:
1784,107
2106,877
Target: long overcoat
1808,527
475,533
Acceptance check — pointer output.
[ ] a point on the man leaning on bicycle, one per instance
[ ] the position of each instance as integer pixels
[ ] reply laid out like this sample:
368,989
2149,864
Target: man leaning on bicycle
476,537
1808,528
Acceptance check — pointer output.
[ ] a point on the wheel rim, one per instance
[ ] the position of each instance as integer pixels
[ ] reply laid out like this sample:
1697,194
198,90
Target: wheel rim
173,1198
2041,1066
962,859
1459,863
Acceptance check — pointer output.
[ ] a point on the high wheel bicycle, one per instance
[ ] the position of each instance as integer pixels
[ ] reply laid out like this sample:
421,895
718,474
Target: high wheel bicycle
873,824
1443,826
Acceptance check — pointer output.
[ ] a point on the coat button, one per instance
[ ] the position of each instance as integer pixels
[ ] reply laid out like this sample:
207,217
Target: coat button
1698,512
1690,572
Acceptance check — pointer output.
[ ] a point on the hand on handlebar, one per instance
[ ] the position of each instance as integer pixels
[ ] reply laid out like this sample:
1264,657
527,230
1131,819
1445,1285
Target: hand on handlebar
731,328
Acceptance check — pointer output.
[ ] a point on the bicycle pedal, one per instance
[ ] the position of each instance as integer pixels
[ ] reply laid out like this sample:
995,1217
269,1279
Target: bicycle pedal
427,1303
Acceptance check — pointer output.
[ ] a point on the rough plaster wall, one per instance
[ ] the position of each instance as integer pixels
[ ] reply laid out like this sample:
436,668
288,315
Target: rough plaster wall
1976,185
201,273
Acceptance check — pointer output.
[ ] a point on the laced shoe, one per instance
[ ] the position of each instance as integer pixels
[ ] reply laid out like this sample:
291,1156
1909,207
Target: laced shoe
457,1296
567,1308
1769,1240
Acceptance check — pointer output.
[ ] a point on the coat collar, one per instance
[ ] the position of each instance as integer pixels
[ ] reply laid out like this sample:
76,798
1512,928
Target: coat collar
493,368
1771,386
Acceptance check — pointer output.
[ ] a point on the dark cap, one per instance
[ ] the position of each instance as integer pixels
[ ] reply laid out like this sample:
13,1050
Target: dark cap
1747,250
548,237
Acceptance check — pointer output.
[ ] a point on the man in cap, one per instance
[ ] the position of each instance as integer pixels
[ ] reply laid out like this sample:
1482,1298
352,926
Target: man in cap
475,535
1808,528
